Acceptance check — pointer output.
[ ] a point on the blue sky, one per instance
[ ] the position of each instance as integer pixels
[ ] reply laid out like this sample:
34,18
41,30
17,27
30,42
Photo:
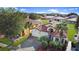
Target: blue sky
61,10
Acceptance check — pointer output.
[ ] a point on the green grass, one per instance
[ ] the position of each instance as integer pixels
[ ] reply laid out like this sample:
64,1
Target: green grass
71,32
4,49
5,41
15,43
45,21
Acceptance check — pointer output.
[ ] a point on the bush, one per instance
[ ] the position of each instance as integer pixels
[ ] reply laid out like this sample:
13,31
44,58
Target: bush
20,40
4,49
55,44
45,44
44,38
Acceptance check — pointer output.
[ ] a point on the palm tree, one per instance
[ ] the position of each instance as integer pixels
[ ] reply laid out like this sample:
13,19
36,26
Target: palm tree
62,28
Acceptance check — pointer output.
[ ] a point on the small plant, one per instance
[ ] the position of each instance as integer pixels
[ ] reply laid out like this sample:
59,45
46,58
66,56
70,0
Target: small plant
45,44
44,41
55,44
44,38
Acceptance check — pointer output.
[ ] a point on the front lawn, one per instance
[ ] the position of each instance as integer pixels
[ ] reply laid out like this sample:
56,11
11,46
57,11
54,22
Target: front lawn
45,21
71,32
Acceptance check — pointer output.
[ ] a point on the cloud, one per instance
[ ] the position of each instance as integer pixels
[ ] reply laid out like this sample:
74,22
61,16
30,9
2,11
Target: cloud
23,10
63,12
57,11
73,9
40,12
78,13
53,10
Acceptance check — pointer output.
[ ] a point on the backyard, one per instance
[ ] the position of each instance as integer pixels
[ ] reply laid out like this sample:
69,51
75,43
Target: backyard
71,32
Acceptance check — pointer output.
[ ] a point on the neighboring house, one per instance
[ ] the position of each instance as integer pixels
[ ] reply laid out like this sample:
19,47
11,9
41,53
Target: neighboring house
43,28
72,20
72,16
56,18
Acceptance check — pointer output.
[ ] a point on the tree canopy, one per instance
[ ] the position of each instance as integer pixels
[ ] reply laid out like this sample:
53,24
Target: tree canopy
34,16
12,22
72,14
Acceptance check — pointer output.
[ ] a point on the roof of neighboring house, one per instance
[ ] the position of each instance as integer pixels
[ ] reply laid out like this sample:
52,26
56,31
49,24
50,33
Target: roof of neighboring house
72,16
58,17
49,16
55,17
44,28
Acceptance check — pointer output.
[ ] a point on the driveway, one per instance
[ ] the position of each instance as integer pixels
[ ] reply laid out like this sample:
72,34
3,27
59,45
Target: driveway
31,42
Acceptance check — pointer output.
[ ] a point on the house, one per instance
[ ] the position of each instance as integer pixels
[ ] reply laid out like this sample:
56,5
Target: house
43,28
72,17
56,18
72,20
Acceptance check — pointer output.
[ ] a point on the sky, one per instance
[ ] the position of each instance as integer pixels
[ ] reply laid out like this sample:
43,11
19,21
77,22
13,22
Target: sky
61,10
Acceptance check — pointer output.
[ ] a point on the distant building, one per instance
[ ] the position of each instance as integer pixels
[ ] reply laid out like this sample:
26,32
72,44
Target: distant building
72,20
56,18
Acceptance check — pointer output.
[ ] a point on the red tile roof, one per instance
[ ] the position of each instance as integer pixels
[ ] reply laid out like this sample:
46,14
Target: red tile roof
44,28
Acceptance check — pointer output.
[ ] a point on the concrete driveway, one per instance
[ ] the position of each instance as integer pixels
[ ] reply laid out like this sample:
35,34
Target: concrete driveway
31,42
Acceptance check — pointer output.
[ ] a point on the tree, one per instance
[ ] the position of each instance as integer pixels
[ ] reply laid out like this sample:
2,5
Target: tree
34,16
72,14
62,28
7,10
11,23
